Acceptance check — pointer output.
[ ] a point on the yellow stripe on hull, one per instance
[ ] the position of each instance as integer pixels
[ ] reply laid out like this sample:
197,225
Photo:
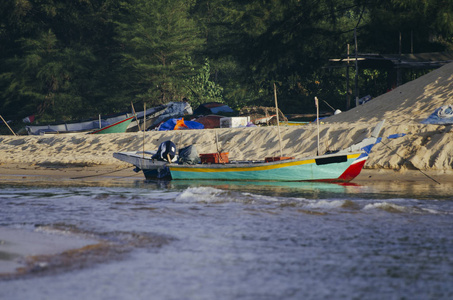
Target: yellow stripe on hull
264,166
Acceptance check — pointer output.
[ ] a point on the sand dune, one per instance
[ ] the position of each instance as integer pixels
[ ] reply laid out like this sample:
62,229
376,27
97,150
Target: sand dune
407,104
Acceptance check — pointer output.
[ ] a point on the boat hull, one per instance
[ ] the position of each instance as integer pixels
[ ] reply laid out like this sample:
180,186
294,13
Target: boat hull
152,169
118,127
341,167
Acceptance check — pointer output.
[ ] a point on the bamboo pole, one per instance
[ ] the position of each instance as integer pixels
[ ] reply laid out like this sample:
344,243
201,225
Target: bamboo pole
7,125
217,142
144,119
218,148
317,122
356,79
278,121
348,95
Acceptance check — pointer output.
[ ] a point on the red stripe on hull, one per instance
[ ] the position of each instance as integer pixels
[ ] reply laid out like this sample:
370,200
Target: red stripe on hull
349,174
352,172
107,127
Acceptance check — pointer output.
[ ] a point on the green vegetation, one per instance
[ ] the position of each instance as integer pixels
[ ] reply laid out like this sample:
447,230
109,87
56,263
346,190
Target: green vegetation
73,59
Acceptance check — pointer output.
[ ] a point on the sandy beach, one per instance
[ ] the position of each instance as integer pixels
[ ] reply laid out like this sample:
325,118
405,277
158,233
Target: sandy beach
424,147
420,153
421,147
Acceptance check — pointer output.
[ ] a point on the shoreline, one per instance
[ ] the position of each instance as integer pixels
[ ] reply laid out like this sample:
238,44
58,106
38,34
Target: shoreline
14,173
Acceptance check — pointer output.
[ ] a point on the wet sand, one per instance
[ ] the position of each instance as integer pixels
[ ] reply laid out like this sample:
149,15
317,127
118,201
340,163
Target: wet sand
22,249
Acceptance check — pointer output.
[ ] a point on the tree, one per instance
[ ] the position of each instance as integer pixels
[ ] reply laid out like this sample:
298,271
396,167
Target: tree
48,79
202,88
54,59
290,45
425,26
76,58
157,38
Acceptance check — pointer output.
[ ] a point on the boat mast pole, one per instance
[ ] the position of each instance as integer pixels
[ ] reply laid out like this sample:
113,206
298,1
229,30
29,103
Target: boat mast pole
317,122
278,121
144,127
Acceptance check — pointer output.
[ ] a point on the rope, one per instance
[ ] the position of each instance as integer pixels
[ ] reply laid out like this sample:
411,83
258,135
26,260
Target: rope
81,177
405,159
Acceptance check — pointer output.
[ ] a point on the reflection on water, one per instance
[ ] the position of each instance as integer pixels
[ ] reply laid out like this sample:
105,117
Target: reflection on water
378,189
237,240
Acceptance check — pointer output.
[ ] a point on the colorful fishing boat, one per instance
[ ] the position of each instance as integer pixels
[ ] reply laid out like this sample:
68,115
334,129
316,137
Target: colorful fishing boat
330,167
342,166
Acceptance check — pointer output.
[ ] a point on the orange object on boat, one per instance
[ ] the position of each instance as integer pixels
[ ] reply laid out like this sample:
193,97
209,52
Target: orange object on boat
180,124
214,158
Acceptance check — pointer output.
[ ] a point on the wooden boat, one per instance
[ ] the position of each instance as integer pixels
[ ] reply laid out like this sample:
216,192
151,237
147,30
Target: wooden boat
117,127
331,167
78,127
337,167
342,166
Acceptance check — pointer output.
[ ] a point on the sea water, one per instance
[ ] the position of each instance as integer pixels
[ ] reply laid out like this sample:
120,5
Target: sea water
221,240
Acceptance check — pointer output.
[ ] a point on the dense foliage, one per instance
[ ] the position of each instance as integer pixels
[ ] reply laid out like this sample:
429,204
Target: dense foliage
73,59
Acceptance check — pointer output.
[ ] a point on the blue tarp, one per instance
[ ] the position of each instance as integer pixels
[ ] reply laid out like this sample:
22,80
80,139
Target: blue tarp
170,125
442,115
396,135
173,110
367,149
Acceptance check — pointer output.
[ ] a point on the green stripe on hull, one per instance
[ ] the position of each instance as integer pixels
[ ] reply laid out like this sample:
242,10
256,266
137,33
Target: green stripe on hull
288,171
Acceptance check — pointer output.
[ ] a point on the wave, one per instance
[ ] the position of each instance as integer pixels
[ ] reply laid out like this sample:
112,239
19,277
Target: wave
399,208
215,195
211,195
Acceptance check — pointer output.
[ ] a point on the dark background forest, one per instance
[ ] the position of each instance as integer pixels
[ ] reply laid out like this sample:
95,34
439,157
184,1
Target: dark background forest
64,60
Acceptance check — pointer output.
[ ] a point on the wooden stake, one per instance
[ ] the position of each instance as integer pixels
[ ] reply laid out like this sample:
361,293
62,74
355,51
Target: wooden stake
217,142
278,121
144,114
144,109
348,95
356,70
7,125
317,122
